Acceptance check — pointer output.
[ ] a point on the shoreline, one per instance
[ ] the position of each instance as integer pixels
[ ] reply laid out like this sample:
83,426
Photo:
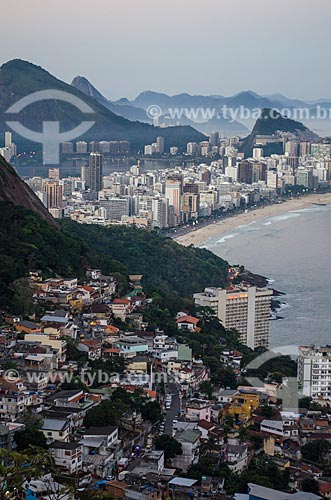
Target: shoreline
198,237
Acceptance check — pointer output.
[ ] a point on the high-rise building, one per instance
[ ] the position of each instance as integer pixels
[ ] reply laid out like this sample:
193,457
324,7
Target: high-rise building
81,147
116,207
272,179
83,170
232,172
204,148
173,194
94,172
214,139
190,205
292,148
260,171
160,208
245,172
304,177
8,139
304,148
245,309
257,153
160,144
104,147
192,148
67,148
54,174
314,371
191,187
54,194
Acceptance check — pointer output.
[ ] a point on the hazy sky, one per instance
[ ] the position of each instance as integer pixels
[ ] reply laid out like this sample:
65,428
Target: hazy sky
208,47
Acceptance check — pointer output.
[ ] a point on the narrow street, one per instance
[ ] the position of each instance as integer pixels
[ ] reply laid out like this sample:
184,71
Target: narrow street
173,412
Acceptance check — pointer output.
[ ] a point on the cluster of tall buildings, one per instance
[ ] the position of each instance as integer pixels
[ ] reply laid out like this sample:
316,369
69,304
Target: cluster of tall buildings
116,148
156,147
167,197
170,196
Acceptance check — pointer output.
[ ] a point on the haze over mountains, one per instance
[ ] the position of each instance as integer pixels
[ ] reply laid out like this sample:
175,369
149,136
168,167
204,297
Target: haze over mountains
212,112
130,120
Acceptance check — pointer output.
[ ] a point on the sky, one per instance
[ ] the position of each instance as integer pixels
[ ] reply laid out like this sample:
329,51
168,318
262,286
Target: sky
201,47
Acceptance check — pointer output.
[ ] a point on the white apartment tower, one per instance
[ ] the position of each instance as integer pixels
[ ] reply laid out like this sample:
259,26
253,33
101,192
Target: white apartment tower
314,371
8,140
245,309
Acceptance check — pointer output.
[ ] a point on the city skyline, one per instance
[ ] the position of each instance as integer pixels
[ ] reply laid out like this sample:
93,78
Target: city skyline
236,46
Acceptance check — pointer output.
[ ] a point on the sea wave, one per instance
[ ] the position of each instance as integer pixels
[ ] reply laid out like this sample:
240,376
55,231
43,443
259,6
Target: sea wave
227,237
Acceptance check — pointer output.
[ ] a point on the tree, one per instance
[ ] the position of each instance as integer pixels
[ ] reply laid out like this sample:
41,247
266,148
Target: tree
102,415
169,445
207,388
310,485
25,439
151,411
317,451
243,433
23,302
257,441
305,402
18,468
31,436
225,377
266,411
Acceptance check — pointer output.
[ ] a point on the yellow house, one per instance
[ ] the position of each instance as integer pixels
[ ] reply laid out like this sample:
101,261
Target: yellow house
76,304
138,364
242,407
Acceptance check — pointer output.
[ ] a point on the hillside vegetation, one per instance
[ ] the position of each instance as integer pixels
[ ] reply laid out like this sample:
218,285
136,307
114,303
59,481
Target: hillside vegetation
164,263
28,242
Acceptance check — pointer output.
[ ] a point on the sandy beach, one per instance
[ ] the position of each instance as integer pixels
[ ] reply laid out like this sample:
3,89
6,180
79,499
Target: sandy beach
198,237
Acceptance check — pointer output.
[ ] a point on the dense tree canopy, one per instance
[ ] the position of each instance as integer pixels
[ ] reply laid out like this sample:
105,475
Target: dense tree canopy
169,445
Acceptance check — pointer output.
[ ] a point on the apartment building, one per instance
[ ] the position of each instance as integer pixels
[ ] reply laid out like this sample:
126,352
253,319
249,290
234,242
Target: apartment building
14,398
314,371
245,309
67,456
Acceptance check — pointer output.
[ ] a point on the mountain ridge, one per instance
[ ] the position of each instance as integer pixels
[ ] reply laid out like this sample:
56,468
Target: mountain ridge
19,78
15,191
270,122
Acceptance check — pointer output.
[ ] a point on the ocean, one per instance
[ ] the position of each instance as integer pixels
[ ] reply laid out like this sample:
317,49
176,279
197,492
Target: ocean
293,251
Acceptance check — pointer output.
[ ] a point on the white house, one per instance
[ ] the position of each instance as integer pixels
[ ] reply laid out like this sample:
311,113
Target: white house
68,456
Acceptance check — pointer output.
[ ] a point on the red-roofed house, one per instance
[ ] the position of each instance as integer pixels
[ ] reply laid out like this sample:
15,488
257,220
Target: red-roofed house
120,308
205,428
111,351
187,323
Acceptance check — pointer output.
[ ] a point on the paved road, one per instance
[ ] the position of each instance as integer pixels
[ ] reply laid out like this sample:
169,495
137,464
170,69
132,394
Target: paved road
174,409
